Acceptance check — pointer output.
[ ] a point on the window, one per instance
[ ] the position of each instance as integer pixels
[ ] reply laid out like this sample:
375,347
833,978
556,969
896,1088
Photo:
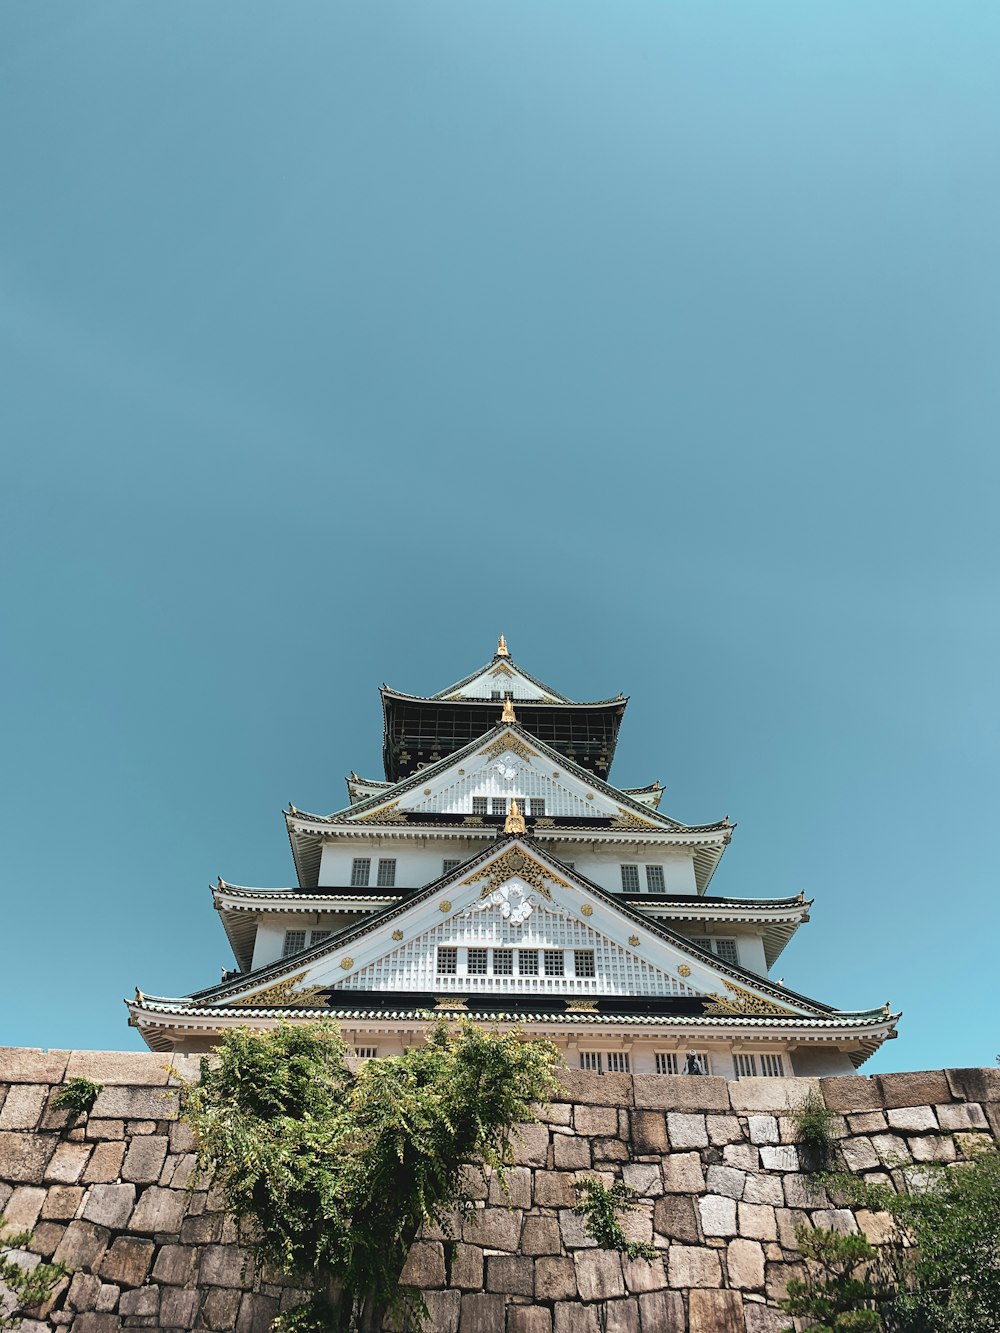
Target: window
449,866
495,694
527,963
479,805
583,962
537,807
630,879
477,962
746,1065
386,874
654,879
592,1060
503,962
726,950
772,1066
703,1061
554,963
447,960
361,870
498,805
319,935
294,941
617,1062
666,1062
366,1052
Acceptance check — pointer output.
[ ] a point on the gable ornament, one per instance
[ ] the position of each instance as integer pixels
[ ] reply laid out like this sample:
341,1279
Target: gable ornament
744,1003
287,992
517,864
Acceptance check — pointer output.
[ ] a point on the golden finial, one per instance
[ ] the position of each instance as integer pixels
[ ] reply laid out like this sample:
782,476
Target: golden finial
514,822
508,714
502,647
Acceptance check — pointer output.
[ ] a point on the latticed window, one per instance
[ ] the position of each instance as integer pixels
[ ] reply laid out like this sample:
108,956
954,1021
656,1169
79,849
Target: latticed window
746,1065
478,959
498,805
527,962
495,694
772,1066
294,941
479,805
630,879
583,962
726,950
654,879
319,935
618,1062
386,874
366,1052
447,960
666,1062
361,869
503,962
592,1060
449,866
537,807
554,963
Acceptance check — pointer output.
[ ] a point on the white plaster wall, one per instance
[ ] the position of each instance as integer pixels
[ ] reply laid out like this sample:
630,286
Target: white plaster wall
603,864
416,864
270,939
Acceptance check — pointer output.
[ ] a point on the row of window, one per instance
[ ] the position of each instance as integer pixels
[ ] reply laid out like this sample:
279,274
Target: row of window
520,962
361,872
654,879
296,940
534,806
671,1062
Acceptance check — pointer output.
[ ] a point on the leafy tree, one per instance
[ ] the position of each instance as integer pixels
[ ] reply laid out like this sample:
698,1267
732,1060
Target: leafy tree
23,1289
837,1291
337,1170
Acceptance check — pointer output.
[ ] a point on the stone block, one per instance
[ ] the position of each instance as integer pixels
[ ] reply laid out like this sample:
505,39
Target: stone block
127,1262
573,1229
82,1246
531,1145
577,1319
644,1274
144,1159
82,1293
788,1219
917,1089
967,1085
637,1223
723,1129
726,1180
482,1312
599,1274
586,1089
801,1192
22,1107
24,1157
179,1309
912,1119
770,1094
757,1221
763,1319
143,1067
892,1149
202,1229
67,1162
858,1154
571,1153
851,1092
718,1215
540,1236
182,1137
555,1189
159,1210
220,1309
181,1171
621,1316
693,1266
424,1265
62,1202
662,1312
645,1178
142,1301
716,1312
518,1192
257,1313
24,1064
176,1265
744,1156
105,1163
528,1319
959,1115
225,1266
686,1130
745,1264
877,1228
649,1132
680,1092
674,1216
493,1229
866,1122
45,1238
778,1276
595,1121
474,1183
513,1275
785,1158
932,1149
609,1152
136,1103
24,1206
467,1267
835,1219
555,1113
682,1173
104,1129
763,1129
555,1279
764,1189
93,1322
109,1205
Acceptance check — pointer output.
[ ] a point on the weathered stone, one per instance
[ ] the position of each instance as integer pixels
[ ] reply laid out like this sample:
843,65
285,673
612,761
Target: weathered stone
514,1275
645,1178
82,1293
159,1210
723,1129
763,1319
518,1193
555,1189
716,1312
424,1265
220,1309
45,1238
777,1278
621,1316
104,1129
62,1201
609,1152
693,1266
682,1173
718,1215
257,1313
968,1085
763,1129
528,1319
595,1121
770,1094
644,1274
176,1264
675,1216
109,1205
800,1192
877,1228
785,1158
67,1162
531,1145
555,1279
178,1309
556,1113
127,1262
24,1157
136,1103
763,1189
858,1154
144,1159
577,1318
23,1207
912,1119
22,1107
467,1267
932,1149
202,1229
482,1312
571,1153
745,1264
725,1180
851,1093
132,1067
835,1219
744,1156
686,1131
574,1231
917,1089
867,1122
649,1132
24,1064
892,1149
96,1323
82,1246
141,1301
493,1229
182,1137
540,1236
105,1163
599,1274
961,1116
787,1220
225,1266
637,1223
679,1092
586,1089
662,1312
757,1221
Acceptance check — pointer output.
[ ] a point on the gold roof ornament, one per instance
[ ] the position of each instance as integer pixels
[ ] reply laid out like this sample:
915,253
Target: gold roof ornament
508,714
514,822
502,647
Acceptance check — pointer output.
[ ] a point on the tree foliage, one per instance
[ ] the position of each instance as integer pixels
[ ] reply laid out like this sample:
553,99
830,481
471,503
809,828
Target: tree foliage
337,1170
21,1288
837,1291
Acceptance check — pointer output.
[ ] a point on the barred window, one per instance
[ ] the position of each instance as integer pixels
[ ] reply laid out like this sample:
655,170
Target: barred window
449,866
319,935
726,950
630,879
666,1062
361,870
554,963
592,1061
447,960
294,941
537,807
618,1062
746,1065
366,1052
654,879
527,962
498,805
479,805
583,962
503,962
477,962
386,874
772,1066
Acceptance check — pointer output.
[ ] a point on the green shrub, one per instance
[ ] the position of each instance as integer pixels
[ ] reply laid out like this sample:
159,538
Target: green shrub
27,1287
813,1120
601,1206
836,1292
78,1096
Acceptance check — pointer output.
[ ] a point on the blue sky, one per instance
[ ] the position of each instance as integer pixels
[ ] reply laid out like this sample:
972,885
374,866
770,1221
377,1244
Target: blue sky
337,338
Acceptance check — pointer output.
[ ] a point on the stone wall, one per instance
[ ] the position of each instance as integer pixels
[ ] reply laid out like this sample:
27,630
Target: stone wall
715,1165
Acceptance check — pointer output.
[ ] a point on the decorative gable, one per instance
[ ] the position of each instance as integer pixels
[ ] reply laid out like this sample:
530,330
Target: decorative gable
499,679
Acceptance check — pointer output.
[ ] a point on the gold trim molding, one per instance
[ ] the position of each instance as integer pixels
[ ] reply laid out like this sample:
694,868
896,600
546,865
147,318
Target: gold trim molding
743,1003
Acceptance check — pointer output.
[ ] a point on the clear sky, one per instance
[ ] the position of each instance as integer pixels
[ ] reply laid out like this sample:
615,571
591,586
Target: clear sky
336,338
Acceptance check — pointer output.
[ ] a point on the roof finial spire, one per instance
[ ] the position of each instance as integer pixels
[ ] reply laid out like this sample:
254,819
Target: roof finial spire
502,647
514,822
508,714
